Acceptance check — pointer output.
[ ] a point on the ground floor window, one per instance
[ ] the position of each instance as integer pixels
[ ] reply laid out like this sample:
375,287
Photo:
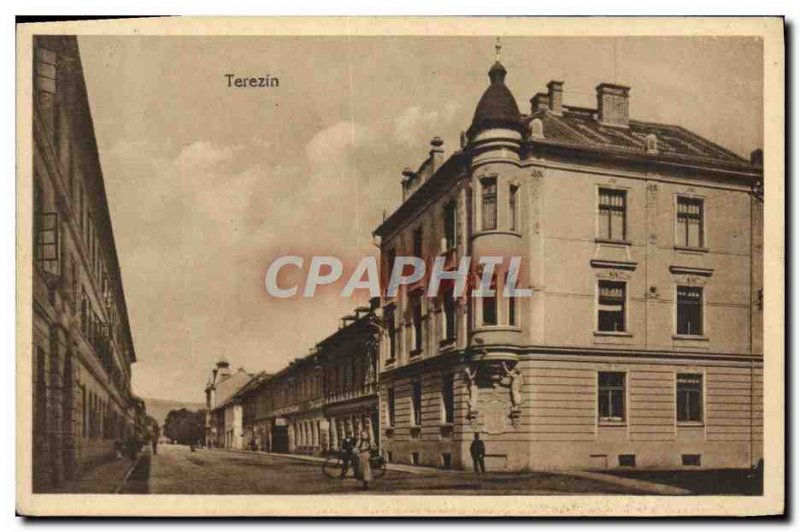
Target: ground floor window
611,396
416,403
390,406
689,397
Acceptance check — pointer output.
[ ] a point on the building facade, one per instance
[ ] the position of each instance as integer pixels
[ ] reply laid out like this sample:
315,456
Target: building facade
82,347
310,405
349,359
286,409
641,343
224,415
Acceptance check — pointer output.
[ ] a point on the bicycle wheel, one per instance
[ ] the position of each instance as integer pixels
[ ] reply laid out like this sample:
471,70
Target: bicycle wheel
332,467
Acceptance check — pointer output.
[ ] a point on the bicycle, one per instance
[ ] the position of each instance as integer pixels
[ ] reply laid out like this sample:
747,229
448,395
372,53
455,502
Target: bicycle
332,466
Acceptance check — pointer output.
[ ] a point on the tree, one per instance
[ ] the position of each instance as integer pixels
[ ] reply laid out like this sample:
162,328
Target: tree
184,426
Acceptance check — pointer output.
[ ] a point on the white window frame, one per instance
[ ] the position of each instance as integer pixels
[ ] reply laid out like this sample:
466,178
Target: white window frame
703,311
704,229
626,230
625,399
625,313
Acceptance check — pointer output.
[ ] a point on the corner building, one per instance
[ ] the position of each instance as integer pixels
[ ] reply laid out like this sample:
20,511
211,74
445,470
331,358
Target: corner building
641,344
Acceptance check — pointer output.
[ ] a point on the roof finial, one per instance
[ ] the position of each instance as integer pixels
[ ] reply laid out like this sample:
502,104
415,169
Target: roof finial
497,49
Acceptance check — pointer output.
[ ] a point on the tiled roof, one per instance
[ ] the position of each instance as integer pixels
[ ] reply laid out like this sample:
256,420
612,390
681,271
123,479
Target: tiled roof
578,127
227,388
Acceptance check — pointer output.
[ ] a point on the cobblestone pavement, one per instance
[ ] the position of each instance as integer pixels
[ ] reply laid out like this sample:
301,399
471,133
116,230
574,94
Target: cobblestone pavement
175,469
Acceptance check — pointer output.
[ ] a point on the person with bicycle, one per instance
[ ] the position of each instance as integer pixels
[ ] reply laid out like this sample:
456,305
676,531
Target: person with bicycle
348,453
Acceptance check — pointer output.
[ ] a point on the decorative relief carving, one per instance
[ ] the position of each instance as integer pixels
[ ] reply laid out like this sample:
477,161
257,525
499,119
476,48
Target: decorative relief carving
613,275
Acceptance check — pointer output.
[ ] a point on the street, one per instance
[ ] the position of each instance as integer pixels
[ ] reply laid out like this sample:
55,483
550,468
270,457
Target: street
177,470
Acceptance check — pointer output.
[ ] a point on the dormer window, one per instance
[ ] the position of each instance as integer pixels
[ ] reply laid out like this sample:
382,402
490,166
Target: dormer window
537,128
651,143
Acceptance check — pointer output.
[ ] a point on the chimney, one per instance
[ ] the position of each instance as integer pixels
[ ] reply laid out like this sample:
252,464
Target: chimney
223,369
757,158
538,102
555,95
612,104
436,153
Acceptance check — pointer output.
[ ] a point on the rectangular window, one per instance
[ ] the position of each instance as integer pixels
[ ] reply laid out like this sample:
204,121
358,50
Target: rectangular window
512,208
450,225
690,460
390,406
84,413
45,233
448,406
38,210
489,204
611,396
689,397
418,242
512,304
689,222
416,322
389,317
690,310
489,305
449,314
611,223
416,403
611,306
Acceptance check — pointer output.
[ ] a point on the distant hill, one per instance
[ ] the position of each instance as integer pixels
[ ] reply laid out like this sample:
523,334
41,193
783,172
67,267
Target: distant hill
159,408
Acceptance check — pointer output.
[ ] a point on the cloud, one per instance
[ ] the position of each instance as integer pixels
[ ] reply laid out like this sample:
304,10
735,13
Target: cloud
414,125
199,225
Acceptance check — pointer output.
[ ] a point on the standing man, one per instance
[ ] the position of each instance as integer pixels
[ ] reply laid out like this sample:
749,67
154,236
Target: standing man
348,453
478,451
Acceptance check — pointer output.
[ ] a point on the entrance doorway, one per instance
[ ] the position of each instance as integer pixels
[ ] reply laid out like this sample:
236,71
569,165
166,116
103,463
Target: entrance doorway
280,439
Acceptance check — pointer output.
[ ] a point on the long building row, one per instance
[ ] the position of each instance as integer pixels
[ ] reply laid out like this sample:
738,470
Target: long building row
82,348
641,345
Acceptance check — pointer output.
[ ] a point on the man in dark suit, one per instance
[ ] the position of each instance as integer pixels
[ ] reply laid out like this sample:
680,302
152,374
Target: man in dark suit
478,451
348,447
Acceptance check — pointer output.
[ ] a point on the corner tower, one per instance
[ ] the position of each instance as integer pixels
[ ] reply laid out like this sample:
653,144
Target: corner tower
493,144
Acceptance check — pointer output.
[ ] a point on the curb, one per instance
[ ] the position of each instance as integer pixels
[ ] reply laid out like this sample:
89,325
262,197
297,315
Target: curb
642,485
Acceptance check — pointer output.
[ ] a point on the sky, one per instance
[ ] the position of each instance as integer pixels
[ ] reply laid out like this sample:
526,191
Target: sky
207,184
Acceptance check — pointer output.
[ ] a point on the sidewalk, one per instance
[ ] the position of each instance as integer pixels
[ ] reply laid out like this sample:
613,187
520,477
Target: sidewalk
106,477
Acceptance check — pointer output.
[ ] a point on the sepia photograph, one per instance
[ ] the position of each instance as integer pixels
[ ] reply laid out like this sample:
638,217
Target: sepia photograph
489,265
